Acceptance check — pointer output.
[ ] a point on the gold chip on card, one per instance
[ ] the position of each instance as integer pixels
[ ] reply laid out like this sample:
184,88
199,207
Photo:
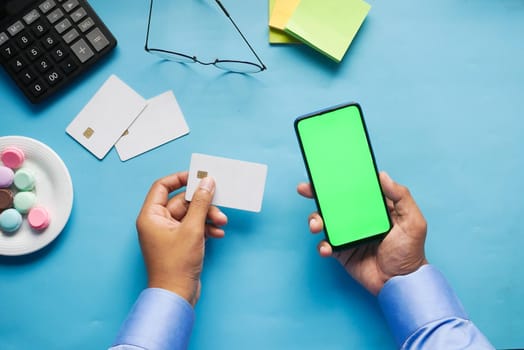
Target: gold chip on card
88,133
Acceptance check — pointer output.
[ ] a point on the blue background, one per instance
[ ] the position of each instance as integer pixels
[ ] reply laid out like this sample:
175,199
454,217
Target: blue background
441,86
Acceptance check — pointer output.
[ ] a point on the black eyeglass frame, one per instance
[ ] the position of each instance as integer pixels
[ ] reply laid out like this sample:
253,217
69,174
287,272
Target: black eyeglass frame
260,66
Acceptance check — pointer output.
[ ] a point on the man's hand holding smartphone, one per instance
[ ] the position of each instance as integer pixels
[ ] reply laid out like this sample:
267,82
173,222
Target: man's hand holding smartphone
399,253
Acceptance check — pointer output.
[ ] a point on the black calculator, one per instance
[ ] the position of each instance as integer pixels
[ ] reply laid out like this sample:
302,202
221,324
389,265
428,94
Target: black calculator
46,44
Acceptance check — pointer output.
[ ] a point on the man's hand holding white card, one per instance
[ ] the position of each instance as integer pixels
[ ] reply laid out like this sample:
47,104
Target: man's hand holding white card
239,184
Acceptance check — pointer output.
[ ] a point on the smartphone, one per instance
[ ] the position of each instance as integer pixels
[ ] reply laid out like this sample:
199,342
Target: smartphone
343,174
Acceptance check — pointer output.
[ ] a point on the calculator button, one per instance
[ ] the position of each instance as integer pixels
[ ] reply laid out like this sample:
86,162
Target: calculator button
63,26
49,41
86,25
54,16
82,51
18,64
8,51
70,36
70,5
97,39
37,88
23,41
3,38
15,28
59,53
69,66
46,6
27,76
43,65
78,14
31,17
34,52
53,77
40,28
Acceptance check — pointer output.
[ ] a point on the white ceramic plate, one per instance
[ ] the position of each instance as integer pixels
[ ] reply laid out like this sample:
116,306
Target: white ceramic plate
54,191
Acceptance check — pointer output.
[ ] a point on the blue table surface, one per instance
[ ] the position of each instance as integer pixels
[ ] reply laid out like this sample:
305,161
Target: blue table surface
441,86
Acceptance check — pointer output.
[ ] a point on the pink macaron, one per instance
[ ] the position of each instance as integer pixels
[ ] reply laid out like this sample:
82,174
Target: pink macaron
38,218
12,157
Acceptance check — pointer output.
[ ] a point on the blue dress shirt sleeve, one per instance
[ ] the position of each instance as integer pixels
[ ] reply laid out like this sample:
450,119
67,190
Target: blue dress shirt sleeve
159,320
423,312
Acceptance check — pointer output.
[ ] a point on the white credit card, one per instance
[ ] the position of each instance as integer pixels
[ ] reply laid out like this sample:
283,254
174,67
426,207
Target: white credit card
160,122
106,116
239,184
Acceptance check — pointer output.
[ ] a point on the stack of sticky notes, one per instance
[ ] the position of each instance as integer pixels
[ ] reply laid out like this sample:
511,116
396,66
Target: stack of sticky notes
328,26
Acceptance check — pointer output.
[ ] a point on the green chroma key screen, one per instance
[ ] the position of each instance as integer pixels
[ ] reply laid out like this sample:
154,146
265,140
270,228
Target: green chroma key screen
342,169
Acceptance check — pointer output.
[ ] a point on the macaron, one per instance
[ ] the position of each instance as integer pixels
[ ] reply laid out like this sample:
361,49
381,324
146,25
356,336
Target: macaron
38,218
12,157
6,199
24,179
6,176
24,201
10,220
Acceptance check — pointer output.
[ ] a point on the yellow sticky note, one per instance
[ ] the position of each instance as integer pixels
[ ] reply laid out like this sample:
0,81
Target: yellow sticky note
282,11
276,36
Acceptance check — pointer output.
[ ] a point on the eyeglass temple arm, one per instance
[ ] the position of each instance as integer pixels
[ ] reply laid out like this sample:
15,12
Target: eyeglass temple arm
240,32
148,25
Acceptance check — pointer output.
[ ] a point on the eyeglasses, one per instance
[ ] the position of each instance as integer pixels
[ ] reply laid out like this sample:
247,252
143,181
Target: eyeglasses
228,65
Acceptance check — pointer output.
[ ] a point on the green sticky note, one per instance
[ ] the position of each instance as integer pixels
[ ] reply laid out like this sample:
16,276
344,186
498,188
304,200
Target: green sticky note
328,26
277,36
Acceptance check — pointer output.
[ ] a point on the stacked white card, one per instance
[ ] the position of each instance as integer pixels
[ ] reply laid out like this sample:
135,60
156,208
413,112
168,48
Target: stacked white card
118,116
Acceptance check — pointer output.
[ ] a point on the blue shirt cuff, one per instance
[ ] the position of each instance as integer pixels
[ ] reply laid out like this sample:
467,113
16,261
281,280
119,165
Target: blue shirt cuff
159,320
409,302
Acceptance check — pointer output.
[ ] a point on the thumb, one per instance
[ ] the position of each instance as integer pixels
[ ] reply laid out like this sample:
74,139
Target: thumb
200,203
392,190
398,194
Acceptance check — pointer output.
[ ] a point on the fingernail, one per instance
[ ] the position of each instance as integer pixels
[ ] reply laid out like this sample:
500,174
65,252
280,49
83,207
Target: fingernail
207,184
223,216
386,175
312,222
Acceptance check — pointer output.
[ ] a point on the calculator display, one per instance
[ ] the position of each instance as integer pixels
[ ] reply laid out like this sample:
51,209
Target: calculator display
2,9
